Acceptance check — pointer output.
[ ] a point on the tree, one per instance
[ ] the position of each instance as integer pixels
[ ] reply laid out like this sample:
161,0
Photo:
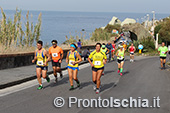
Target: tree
164,32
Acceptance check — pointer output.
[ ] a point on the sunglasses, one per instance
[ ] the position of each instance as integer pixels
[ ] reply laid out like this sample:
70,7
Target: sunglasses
54,43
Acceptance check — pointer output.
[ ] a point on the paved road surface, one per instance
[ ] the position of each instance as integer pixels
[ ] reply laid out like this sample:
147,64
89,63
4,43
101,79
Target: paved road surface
141,79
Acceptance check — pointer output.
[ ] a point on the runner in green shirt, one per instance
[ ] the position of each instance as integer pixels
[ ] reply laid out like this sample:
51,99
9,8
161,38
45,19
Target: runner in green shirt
163,50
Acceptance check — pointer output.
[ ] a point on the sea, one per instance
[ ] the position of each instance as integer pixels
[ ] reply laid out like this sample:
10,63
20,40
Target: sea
57,24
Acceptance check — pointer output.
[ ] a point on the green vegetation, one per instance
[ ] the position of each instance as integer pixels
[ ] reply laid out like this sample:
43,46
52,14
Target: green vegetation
14,35
105,34
73,39
148,44
109,28
100,34
163,28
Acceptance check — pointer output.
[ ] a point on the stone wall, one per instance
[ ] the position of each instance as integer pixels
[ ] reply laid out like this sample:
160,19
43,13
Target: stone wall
24,59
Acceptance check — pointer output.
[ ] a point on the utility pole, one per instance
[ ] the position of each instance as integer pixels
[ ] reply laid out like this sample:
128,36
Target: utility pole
147,20
156,41
153,22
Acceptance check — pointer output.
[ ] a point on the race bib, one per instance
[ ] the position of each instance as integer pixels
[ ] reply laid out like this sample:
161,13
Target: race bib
163,52
70,62
55,54
97,63
120,58
40,63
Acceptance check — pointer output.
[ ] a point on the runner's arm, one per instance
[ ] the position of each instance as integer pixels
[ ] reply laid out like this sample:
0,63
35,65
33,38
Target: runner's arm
105,59
48,56
35,57
166,51
158,52
89,59
117,54
79,57
108,51
62,55
129,49
67,57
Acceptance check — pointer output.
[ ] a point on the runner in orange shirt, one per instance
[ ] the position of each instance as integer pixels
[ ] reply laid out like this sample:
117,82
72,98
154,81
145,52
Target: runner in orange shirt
124,45
57,55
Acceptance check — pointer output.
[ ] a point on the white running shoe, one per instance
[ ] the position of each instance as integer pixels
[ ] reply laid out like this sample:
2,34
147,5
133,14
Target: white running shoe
97,91
130,60
94,88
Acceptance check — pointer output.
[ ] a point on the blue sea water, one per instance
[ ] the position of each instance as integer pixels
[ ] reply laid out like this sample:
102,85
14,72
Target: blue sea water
56,25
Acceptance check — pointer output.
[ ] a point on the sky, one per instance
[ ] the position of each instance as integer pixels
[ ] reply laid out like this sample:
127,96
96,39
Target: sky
128,6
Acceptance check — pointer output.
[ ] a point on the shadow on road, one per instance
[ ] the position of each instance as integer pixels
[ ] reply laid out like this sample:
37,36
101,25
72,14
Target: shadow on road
107,86
107,72
126,72
84,84
60,82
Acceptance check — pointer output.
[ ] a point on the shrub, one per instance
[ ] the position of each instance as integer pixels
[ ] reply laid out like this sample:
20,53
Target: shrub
109,28
148,44
100,35
12,33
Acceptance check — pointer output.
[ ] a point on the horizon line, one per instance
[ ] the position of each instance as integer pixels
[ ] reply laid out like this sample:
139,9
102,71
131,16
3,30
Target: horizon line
82,11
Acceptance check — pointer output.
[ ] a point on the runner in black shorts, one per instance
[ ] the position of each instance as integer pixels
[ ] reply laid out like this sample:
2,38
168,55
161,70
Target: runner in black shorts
120,59
99,59
56,64
163,50
56,54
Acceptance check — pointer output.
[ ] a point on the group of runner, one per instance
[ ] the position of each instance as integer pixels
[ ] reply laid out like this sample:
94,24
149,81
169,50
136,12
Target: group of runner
97,60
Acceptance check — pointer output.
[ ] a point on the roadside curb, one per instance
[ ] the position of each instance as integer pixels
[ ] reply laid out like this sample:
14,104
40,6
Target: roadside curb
17,82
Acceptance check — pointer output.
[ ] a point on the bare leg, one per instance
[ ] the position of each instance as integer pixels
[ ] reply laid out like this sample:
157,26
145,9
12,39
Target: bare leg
38,71
70,72
99,73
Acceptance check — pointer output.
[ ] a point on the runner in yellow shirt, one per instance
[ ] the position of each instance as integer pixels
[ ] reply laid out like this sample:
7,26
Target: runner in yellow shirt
42,57
73,59
99,59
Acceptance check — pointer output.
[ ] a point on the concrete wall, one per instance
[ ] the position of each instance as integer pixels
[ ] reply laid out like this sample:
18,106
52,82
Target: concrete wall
24,59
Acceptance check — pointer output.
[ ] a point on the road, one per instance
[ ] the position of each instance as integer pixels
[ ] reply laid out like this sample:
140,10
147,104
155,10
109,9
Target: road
143,78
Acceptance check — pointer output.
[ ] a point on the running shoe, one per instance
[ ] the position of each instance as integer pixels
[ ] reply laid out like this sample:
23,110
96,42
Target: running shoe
56,79
121,74
78,84
130,60
94,88
40,87
118,71
61,75
47,78
72,88
97,91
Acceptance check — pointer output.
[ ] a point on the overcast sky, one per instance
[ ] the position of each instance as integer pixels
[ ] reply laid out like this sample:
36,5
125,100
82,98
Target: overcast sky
135,6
